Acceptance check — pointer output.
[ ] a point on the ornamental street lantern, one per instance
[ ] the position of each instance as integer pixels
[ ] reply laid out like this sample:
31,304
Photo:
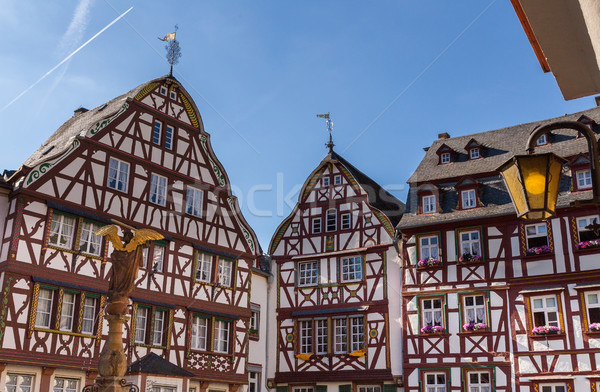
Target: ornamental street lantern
533,182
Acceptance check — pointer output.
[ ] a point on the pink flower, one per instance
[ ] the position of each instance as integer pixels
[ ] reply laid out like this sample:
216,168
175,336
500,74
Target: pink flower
428,262
594,327
545,330
432,329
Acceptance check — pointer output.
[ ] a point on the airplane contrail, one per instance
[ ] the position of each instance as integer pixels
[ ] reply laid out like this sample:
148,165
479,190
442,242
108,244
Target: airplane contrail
65,60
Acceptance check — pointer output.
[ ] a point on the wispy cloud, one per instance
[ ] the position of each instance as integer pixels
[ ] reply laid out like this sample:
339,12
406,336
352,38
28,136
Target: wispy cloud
74,33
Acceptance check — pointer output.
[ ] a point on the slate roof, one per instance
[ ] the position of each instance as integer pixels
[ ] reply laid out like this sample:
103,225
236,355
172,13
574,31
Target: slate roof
153,364
500,145
378,197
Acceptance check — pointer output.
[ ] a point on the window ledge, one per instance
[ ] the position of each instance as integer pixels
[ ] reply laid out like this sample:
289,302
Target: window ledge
478,332
430,267
442,334
482,261
149,345
593,334
78,334
525,256
586,250
551,336
200,282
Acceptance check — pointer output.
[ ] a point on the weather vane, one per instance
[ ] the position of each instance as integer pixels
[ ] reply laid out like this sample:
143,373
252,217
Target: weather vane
329,124
172,47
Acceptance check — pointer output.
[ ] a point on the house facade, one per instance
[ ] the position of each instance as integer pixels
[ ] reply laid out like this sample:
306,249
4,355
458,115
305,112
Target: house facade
142,159
336,299
489,301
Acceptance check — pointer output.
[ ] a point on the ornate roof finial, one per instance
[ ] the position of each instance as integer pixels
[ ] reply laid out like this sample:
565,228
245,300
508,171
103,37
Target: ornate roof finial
329,123
172,47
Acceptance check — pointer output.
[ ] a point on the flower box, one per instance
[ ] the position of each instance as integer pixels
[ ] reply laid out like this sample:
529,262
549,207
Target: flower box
469,258
474,326
594,327
538,250
589,244
545,330
432,329
429,262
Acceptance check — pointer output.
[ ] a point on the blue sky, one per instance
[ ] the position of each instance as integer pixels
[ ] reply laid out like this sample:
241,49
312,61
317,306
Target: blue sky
393,74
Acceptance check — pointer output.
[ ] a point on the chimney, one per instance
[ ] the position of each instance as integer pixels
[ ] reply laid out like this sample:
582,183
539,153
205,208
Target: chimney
443,135
79,111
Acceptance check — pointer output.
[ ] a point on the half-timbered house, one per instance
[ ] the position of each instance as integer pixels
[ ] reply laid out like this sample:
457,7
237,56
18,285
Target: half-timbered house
143,159
338,284
491,302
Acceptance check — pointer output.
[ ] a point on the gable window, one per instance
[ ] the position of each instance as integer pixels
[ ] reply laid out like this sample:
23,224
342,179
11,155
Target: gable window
474,311
325,181
204,263
545,311
584,234
435,382
331,220
19,382
305,346
553,387
542,140
428,203
193,201
445,158
158,189
470,244
592,305
62,384
346,221
321,336
156,132
308,273
163,90
469,199
89,242
584,179
316,225
169,137
352,269
221,341
474,153
429,247
432,312
173,95
337,180
479,381
224,272
199,333
62,230
151,326
118,175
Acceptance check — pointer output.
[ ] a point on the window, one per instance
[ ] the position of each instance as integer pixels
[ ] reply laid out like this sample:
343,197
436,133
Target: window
204,262
369,388
304,389
199,332
156,132
432,313
331,220
19,382
308,273
340,335
325,181
159,327
592,304
253,382
346,221
151,326
158,189
65,384
583,233
545,311
141,321
357,333
542,140
337,180
44,308
584,179
163,388
254,322
163,90
90,243
169,137
67,312
469,199
429,247
158,260
428,203
474,153
479,381
305,328
445,158
470,243
173,94
435,382
118,175
536,235
352,269
88,320
321,336
553,388
193,201
474,309
221,342
316,225
62,230
224,272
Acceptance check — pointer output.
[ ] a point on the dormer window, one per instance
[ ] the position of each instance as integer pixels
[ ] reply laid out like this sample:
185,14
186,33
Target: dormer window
468,198
429,204
445,158
584,179
542,140
474,153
